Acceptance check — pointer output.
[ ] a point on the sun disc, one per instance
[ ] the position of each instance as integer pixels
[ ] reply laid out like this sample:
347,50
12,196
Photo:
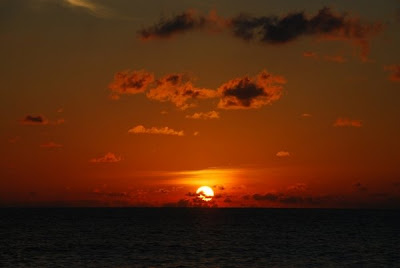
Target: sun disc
205,193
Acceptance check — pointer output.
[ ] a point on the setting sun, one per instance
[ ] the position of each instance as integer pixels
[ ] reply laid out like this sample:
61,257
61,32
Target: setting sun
205,193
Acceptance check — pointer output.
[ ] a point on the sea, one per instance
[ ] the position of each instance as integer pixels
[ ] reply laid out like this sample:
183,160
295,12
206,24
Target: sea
198,237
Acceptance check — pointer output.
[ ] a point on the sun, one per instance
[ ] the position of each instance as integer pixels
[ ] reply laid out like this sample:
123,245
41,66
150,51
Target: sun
205,193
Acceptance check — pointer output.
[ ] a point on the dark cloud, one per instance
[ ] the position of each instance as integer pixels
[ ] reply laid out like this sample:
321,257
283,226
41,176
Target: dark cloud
34,120
227,200
273,29
248,93
167,27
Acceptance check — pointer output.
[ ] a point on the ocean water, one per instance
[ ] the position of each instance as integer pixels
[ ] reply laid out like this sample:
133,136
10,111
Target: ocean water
191,237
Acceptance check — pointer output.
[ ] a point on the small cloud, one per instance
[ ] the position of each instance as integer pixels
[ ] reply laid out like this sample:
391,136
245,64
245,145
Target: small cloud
227,200
164,112
196,133
168,27
306,115
140,129
204,116
107,158
337,59
251,93
51,144
130,82
394,70
310,54
282,154
34,120
346,122
60,110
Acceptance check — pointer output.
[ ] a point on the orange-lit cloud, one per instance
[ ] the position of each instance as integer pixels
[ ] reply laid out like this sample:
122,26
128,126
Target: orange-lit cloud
250,93
34,120
140,129
346,122
394,70
282,154
205,116
306,115
130,82
178,89
107,158
51,144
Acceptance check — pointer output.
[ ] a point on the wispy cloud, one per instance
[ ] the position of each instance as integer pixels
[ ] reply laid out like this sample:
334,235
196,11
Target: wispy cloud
205,115
94,8
107,158
282,154
140,129
346,122
51,144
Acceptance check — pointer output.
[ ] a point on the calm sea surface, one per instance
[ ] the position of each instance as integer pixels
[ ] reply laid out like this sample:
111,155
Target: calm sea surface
179,237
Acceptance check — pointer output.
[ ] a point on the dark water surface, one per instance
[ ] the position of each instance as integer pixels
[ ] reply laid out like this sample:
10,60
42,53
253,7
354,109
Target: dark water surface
179,237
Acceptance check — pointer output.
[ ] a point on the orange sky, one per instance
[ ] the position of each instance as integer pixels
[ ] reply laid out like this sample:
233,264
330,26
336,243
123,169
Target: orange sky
130,103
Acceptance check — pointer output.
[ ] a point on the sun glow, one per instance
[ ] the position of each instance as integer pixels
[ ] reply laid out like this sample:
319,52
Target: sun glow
205,193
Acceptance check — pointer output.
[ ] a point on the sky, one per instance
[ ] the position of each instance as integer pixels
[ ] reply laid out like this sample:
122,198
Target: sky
139,103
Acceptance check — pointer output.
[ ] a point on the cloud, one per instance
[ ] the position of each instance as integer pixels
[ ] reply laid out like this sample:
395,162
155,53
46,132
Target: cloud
178,89
337,59
196,133
346,122
394,70
205,116
250,93
130,82
95,9
107,158
274,30
181,23
310,54
306,115
140,129
282,154
34,120
51,144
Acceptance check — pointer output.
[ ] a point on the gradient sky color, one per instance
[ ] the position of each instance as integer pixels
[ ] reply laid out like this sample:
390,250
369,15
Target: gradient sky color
138,103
